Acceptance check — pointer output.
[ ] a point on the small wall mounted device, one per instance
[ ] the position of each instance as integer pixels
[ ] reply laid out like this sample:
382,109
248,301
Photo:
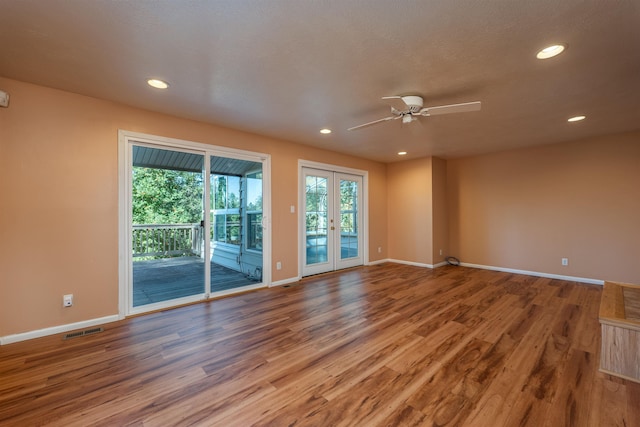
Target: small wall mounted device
4,99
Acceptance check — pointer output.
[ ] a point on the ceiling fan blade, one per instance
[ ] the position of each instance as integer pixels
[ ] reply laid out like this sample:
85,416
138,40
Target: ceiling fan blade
374,122
396,102
453,108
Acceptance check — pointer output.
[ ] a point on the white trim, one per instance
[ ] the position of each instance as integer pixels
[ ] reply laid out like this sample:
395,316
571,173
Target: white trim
206,218
267,248
505,270
380,261
39,333
166,304
191,145
235,291
124,210
330,168
535,273
285,281
417,264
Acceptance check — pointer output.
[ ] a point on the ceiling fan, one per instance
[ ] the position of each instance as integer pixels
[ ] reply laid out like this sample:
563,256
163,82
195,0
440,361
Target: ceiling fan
408,108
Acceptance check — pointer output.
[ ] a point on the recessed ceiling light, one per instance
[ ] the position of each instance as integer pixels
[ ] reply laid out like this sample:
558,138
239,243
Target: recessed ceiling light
158,84
550,51
325,131
402,153
576,118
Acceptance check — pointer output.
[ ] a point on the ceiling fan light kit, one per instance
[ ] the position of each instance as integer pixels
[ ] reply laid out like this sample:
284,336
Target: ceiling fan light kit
408,108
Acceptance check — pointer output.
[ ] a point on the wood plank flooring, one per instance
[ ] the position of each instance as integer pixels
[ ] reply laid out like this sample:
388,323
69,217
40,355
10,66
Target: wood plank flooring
385,345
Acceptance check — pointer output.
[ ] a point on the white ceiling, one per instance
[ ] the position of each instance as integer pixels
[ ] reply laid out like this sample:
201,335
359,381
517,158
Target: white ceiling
287,68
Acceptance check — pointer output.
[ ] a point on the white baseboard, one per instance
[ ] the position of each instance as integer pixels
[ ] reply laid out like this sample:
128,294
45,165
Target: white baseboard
506,270
284,281
57,329
417,264
399,261
380,261
535,273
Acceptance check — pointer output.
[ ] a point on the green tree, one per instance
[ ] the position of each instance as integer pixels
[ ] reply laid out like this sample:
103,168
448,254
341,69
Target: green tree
348,205
219,199
255,205
162,196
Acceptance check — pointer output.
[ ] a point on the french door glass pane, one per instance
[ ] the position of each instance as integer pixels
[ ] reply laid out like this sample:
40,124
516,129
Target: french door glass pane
167,190
316,219
348,219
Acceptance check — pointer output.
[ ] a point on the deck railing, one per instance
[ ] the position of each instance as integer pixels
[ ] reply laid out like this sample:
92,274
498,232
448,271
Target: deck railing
167,240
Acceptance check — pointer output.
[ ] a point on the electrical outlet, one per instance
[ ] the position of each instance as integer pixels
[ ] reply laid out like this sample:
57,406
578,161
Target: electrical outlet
565,261
379,249
67,300
440,252
278,265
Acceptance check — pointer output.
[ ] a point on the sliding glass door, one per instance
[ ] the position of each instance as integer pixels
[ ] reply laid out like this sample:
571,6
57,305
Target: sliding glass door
167,188
193,224
235,216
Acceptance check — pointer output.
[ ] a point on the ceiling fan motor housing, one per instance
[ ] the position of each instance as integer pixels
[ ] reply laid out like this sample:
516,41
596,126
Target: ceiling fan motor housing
413,102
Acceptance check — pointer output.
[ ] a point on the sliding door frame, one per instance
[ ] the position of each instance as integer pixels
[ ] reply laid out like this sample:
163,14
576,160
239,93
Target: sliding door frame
126,140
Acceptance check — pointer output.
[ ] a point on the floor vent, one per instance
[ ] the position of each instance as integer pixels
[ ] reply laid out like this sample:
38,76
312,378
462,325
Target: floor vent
82,333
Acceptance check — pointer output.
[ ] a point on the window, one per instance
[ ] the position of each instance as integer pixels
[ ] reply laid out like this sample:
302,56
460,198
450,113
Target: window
254,211
226,209
237,210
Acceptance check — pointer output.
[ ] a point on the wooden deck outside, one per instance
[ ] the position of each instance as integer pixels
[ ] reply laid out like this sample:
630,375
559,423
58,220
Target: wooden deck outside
169,278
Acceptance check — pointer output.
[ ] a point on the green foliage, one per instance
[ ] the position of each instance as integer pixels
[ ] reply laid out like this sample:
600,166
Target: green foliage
348,206
219,199
316,205
162,196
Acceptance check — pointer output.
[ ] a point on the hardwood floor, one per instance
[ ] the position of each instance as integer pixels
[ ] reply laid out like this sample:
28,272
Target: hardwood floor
384,345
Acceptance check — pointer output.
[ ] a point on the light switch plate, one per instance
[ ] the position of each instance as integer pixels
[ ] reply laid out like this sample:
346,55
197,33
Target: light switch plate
4,99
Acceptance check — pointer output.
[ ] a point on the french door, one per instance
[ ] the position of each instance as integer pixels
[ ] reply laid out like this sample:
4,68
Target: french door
332,218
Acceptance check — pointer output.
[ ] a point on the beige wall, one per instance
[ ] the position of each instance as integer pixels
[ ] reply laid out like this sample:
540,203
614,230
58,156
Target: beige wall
440,211
417,210
529,208
409,210
59,195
